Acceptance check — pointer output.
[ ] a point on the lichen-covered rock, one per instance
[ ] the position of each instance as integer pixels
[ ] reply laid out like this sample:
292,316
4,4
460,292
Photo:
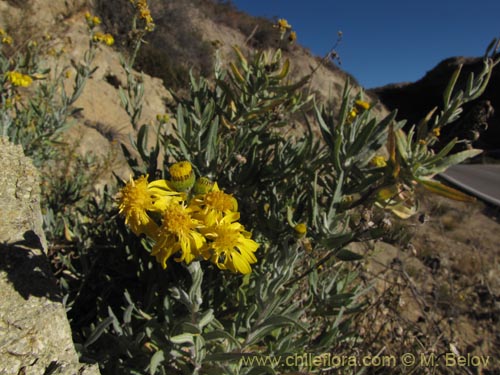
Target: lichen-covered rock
35,336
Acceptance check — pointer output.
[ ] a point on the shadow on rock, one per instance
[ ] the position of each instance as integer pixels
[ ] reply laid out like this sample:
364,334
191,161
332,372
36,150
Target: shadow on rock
27,268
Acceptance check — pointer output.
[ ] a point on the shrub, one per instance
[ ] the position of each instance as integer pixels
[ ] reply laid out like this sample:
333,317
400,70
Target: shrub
240,276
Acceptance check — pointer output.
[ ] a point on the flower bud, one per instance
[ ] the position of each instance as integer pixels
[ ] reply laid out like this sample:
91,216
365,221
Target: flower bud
182,176
203,185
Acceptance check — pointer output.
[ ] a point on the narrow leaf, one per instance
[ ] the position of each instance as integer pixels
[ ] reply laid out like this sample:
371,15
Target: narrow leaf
99,330
155,361
183,338
348,256
451,86
445,191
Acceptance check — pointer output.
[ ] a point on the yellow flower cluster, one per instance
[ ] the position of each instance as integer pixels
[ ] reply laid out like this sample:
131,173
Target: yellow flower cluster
18,79
359,107
144,13
192,222
92,21
284,27
107,39
379,161
5,38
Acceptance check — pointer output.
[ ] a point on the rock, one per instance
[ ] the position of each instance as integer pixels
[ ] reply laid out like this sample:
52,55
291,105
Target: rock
35,335
415,100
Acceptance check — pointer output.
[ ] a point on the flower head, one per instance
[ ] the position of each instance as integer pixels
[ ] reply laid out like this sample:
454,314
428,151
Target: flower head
182,175
203,185
18,79
103,38
292,37
229,246
361,105
378,161
138,197
92,21
6,38
300,230
213,205
283,25
144,13
178,232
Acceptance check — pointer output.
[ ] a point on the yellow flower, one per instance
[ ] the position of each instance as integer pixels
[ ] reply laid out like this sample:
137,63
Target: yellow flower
178,232
144,13
103,38
378,161
182,175
352,115
92,21
283,25
211,206
18,79
138,197
229,246
300,230
436,132
292,37
163,118
6,39
361,105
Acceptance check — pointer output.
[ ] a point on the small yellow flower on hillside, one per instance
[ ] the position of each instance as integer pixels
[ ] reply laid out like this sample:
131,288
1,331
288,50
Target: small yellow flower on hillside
103,38
361,106
6,39
351,116
283,25
300,230
163,118
144,13
379,161
18,79
292,37
92,21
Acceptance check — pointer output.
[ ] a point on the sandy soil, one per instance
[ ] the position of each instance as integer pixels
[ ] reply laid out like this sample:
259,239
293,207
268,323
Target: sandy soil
437,291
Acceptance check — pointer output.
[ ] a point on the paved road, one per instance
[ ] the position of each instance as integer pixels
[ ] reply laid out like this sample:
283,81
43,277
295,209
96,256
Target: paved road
481,180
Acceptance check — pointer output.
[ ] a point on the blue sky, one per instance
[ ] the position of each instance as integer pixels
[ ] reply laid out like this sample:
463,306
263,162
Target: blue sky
387,41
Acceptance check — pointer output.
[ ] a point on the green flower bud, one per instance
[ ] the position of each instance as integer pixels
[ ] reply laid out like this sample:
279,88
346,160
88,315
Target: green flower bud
181,176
